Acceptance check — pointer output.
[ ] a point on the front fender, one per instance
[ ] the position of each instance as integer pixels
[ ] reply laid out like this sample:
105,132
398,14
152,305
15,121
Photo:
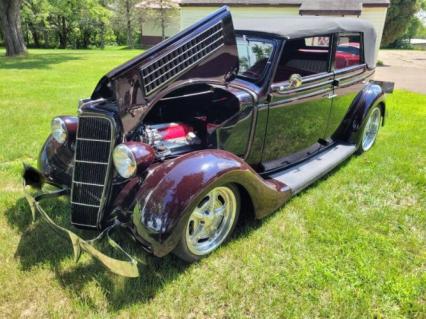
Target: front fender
55,162
172,189
351,128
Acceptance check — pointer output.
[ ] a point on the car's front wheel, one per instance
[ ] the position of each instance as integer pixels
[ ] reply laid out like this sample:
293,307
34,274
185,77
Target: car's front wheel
370,130
210,223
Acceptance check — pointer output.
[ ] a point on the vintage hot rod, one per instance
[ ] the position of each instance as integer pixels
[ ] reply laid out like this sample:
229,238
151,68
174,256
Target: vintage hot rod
209,125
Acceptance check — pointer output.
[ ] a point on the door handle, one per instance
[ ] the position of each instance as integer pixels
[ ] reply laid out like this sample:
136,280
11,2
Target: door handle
336,83
331,96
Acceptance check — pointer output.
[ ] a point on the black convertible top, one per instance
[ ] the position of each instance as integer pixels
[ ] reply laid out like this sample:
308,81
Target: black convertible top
300,27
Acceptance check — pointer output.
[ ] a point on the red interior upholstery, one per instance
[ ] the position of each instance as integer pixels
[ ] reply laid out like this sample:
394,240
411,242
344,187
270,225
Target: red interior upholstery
344,60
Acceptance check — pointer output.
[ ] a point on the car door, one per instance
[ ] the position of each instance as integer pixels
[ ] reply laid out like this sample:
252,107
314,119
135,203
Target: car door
351,74
299,101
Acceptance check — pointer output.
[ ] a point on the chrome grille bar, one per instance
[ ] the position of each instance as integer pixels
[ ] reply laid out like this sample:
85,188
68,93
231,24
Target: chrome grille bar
92,169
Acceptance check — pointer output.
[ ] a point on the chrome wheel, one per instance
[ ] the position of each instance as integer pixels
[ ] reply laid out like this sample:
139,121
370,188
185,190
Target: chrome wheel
211,221
371,130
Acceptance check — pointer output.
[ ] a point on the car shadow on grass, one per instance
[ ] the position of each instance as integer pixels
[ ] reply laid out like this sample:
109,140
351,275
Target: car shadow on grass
36,61
41,245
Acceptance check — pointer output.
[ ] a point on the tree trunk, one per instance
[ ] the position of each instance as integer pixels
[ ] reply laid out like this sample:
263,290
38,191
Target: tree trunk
141,25
129,25
86,39
35,35
46,37
63,33
102,38
10,22
163,28
163,20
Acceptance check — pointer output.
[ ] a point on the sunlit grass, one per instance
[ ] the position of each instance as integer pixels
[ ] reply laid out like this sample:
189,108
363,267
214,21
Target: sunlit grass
351,246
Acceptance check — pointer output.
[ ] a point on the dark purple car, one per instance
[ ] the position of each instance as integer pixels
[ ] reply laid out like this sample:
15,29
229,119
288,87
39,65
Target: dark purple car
212,124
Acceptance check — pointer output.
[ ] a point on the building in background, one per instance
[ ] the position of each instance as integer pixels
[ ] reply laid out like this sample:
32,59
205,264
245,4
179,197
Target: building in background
190,11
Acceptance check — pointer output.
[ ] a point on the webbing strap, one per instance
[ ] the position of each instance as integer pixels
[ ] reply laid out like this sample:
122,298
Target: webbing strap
126,268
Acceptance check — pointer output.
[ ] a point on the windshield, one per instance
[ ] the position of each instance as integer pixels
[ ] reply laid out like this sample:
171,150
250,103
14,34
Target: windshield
254,55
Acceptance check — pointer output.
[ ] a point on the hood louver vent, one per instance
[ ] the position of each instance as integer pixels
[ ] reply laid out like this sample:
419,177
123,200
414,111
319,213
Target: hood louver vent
158,73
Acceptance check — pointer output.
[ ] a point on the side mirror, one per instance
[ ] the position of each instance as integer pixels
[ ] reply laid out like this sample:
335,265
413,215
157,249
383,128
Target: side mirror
295,81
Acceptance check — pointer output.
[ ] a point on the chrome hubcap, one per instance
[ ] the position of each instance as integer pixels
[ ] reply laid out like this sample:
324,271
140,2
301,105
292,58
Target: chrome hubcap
371,130
211,221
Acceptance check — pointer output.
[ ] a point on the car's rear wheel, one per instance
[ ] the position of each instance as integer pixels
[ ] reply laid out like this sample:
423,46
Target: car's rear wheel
210,223
370,130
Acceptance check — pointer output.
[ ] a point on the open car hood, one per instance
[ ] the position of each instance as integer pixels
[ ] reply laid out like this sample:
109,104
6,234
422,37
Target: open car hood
206,51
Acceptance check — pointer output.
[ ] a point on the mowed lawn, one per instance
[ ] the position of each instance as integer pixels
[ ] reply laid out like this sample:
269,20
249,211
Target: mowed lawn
351,246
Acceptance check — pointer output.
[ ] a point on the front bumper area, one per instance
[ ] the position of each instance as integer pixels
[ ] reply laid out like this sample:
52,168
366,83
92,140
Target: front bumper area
126,268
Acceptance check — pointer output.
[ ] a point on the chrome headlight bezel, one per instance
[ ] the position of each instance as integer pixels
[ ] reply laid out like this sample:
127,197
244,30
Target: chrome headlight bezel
124,161
59,130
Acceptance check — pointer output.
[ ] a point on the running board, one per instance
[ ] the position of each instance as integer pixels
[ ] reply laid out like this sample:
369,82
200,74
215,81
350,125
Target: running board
302,175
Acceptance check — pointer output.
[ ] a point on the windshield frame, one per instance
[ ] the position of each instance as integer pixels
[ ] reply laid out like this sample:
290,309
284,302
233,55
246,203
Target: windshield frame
259,38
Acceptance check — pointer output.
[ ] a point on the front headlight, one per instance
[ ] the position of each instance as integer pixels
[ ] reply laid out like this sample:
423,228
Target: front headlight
59,130
124,161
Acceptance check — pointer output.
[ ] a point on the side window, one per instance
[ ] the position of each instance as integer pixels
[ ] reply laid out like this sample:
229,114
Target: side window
317,42
253,56
348,51
305,56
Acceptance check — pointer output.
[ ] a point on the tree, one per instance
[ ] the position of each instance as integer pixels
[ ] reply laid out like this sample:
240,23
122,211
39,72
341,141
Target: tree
79,23
129,7
92,24
10,23
398,19
61,18
144,14
166,11
125,18
412,29
34,17
161,12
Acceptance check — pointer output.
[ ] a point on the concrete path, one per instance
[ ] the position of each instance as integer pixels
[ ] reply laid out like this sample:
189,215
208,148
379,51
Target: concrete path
406,68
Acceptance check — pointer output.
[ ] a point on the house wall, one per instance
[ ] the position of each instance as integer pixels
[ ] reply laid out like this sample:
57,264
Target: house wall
154,29
191,14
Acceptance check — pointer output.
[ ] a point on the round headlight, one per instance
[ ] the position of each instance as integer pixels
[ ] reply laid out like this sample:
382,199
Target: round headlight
59,130
124,161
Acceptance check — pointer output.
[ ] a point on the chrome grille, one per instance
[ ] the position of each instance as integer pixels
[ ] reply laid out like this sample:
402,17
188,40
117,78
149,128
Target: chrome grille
169,66
94,143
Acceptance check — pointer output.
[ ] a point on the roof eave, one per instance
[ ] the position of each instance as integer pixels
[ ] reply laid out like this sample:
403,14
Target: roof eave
331,12
289,3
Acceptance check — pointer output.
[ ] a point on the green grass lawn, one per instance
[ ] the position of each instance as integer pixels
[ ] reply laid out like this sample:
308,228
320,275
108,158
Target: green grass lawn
351,246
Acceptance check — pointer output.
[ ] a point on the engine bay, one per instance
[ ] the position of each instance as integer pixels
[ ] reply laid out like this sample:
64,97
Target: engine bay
186,121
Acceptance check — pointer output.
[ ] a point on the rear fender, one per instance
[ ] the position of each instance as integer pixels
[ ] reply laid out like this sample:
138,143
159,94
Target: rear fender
172,189
351,127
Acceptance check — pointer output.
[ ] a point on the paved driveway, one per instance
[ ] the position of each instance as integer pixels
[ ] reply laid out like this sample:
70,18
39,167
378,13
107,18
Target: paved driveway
406,68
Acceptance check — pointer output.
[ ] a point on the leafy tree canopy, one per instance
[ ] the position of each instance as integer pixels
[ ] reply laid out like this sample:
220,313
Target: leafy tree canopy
400,16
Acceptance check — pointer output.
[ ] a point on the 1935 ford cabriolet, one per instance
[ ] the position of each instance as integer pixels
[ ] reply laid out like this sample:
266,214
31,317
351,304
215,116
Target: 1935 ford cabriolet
209,125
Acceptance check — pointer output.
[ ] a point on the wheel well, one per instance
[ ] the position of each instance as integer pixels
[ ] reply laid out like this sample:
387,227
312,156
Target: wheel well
247,207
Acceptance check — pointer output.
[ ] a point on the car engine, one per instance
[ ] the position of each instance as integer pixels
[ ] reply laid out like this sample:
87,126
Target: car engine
170,138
